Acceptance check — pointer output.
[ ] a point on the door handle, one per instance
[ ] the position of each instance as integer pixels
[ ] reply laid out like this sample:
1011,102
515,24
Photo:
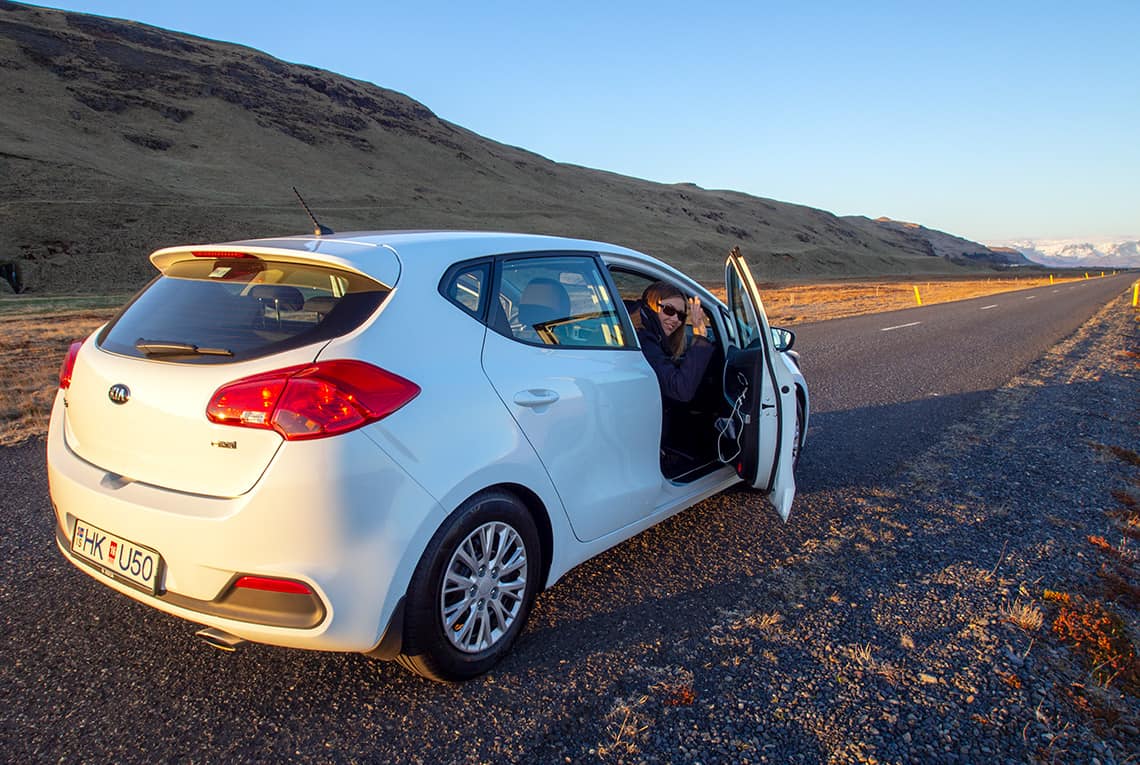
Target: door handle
535,397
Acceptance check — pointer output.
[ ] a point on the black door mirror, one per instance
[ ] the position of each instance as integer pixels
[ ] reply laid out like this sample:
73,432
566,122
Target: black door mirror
783,339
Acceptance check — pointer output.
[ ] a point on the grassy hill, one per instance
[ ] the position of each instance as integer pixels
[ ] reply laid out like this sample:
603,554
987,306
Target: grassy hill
117,138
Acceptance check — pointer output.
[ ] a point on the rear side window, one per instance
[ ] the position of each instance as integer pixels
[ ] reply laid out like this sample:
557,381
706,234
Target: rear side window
466,284
210,311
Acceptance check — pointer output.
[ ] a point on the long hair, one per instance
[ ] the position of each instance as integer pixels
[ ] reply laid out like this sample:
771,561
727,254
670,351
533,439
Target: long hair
651,298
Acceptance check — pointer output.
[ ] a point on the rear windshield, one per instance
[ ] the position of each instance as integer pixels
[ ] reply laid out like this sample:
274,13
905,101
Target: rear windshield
216,311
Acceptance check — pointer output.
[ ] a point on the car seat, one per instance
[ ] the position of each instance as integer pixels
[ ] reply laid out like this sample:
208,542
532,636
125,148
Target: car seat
543,300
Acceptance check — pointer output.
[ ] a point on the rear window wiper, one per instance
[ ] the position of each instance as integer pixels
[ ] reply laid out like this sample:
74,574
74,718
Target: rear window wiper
172,348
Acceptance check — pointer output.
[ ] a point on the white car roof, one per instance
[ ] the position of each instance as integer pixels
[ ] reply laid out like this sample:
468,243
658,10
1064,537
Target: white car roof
371,252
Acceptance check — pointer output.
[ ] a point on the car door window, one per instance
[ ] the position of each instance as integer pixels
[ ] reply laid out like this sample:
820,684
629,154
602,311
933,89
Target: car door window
632,284
747,323
561,301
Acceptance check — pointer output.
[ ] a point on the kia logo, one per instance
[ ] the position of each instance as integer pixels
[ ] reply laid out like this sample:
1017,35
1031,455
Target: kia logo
119,393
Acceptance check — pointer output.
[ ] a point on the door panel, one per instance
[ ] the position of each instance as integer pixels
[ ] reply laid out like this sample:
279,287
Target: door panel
769,395
568,369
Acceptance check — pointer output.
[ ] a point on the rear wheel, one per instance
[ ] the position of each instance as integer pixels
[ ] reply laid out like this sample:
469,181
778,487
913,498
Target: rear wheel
472,590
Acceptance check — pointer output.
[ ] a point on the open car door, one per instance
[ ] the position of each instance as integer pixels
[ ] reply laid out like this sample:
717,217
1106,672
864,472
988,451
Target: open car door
762,391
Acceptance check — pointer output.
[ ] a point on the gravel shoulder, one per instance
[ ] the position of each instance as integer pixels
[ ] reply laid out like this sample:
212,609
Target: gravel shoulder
923,625
917,622
886,623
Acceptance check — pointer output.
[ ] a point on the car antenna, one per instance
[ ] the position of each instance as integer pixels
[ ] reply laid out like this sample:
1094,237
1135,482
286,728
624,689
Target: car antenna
318,229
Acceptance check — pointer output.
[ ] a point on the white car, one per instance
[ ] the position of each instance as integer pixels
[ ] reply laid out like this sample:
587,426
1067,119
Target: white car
391,442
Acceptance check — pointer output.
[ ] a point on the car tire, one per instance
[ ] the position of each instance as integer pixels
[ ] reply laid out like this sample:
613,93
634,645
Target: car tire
472,590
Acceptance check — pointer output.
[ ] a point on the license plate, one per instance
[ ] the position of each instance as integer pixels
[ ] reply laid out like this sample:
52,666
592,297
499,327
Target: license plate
117,557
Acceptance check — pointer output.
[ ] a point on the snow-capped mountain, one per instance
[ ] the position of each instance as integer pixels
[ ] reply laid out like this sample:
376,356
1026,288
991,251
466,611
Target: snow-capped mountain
1075,253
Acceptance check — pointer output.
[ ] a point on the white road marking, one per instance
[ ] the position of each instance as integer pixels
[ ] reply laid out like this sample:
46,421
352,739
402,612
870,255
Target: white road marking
900,326
988,307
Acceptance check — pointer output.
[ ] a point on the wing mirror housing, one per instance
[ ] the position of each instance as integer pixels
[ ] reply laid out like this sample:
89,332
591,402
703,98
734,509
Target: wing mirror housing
783,339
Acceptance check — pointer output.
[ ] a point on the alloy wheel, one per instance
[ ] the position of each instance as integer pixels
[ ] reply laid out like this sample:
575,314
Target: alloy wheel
484,587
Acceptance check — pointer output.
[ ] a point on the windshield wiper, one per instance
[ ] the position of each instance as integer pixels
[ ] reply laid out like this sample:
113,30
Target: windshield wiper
172,348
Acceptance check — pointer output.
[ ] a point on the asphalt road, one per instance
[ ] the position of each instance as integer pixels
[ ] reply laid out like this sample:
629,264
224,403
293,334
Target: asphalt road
88,675
883,385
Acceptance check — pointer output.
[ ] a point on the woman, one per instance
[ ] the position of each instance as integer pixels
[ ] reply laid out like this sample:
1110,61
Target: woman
662,319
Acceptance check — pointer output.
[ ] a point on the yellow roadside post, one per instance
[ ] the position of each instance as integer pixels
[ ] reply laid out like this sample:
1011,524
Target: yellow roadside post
1050,278
1086,274
917,297
1135,292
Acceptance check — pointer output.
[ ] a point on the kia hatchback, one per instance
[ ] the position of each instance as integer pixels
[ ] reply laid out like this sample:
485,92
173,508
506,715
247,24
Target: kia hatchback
391,442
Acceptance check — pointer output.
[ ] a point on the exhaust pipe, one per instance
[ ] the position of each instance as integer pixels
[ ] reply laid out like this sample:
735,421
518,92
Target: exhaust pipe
223,641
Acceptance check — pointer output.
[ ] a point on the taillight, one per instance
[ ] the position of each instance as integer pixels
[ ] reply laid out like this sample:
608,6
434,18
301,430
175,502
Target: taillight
312,400
272,584
69,365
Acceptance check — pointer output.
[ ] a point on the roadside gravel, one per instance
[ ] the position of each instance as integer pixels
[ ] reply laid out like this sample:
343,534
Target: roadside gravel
891,636
888,630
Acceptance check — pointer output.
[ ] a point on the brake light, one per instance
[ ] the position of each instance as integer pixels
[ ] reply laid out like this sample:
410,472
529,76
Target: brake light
221,254
69,365
312,400
270,584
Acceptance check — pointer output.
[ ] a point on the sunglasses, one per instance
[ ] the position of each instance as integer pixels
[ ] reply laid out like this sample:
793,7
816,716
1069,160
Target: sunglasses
669,310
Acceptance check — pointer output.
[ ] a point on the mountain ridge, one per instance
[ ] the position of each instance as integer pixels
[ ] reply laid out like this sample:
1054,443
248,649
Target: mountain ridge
1121,252
130,137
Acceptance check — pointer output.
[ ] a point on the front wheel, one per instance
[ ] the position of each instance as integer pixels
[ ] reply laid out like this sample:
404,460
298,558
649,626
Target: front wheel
798,435
472,590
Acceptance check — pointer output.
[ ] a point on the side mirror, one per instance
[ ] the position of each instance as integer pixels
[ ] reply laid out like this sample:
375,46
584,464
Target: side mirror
783,339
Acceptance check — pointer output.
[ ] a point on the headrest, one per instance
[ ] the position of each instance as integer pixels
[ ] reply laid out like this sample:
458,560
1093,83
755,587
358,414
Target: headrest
543,300
286,298
321,304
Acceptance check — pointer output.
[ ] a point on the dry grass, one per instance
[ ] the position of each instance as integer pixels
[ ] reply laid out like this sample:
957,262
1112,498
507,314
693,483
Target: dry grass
738,627
1121,551
37,331
1024,615
786,305
1010,679
862,655
1125,499
1126,455
31,351
625,723
677,690
1117,582
1100,637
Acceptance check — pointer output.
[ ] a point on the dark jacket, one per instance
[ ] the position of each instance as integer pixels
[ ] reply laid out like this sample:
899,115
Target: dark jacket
679,380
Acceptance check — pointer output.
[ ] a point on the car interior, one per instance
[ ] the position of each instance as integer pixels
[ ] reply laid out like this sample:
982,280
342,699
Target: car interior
690,439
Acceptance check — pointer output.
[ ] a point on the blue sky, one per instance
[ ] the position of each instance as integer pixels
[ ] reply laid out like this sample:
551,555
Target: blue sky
992,120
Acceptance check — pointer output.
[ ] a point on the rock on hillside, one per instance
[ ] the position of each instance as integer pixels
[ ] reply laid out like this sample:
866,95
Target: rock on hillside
117,138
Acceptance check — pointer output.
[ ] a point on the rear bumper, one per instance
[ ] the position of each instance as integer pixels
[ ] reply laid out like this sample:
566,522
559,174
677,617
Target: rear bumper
338,515
274,609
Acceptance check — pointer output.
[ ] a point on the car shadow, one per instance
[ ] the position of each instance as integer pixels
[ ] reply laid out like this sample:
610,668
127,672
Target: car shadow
865,446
